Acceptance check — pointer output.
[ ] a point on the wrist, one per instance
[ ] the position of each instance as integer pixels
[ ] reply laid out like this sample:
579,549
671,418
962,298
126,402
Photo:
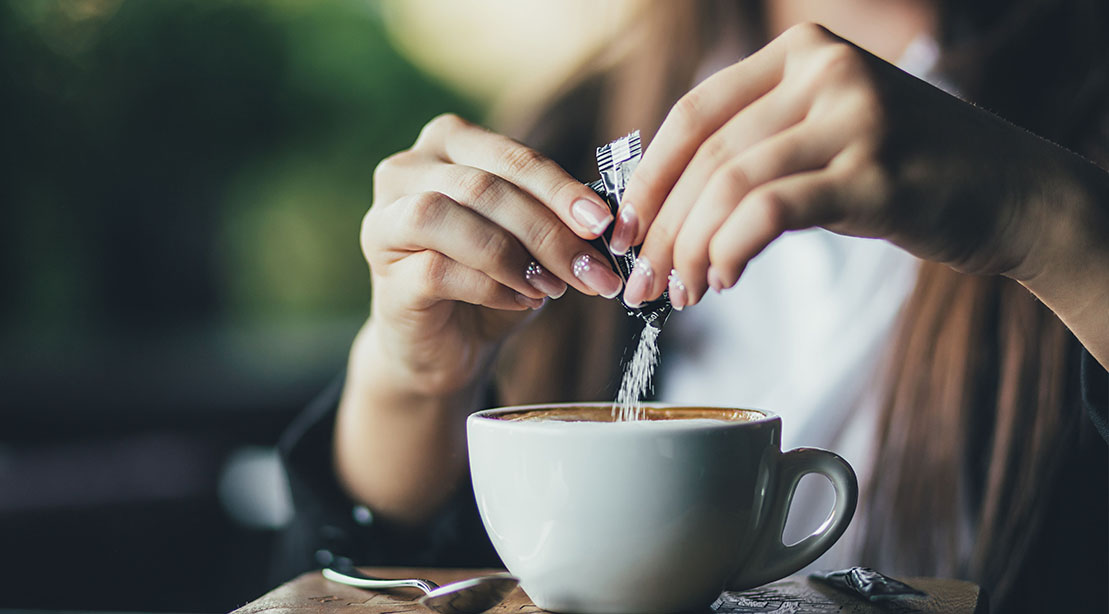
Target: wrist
400,447
1067,267
392,370
1070,227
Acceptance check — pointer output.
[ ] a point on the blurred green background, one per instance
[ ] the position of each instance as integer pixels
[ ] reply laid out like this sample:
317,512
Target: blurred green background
183,183
209,158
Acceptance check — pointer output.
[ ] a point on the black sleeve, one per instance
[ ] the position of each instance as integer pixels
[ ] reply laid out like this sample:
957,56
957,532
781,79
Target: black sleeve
1095,394
328,524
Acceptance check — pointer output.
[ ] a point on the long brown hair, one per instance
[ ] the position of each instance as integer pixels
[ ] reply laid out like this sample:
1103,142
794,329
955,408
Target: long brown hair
979,375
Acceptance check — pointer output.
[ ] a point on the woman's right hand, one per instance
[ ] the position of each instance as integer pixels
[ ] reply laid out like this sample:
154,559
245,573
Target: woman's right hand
468,232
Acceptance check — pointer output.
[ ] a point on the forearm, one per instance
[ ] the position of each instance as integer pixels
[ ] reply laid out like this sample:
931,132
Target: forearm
1071,271
398,450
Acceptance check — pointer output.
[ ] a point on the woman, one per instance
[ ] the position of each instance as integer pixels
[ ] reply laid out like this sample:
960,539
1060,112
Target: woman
986,463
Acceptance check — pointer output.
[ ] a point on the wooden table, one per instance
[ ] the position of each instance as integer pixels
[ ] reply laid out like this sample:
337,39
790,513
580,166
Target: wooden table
312,594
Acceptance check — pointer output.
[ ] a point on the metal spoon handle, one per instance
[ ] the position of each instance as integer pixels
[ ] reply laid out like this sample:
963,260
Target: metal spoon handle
352,577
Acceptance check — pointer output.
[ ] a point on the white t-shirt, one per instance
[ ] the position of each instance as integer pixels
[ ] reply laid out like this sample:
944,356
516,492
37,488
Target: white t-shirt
802,335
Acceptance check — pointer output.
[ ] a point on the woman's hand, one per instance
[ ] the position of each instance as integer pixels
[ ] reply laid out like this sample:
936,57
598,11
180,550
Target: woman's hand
813,131
468,231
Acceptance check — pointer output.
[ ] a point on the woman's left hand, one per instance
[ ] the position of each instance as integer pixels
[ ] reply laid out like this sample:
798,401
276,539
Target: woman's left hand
813,131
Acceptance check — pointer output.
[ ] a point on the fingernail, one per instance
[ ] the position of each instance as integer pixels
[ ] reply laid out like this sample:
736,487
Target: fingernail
594,216
530,303
716,282
639,282
678,297
543,280
625,230
596,275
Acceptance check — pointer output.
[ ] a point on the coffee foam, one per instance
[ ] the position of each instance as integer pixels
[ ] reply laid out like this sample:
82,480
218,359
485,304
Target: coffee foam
650,414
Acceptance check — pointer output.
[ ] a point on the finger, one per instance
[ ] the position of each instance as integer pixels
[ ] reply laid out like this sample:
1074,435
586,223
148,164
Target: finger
437,277
693,119
791,203
461,142
679,238
804,147
776,111
541,233
434,221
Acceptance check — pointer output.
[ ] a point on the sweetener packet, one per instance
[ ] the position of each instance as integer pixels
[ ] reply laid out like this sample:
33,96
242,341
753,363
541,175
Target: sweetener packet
616,161
867,583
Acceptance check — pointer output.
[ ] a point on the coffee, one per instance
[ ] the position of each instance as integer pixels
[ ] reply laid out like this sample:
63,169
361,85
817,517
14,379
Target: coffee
605,414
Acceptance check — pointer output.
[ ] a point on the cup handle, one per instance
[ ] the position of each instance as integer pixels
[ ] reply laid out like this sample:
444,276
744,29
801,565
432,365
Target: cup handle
770,558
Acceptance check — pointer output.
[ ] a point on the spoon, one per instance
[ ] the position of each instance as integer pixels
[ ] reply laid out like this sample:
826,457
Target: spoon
465,597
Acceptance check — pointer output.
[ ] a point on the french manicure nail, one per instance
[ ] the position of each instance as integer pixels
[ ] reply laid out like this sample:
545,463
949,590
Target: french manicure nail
716,282
543,280
678,296
596,275
625,230
592,215
639,282
530,303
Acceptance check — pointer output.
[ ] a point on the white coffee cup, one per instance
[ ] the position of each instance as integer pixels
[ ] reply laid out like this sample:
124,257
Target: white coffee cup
651,517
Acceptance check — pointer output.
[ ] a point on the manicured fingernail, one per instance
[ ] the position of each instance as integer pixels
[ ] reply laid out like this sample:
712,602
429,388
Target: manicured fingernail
625,230
543,280
639,282
678,297
530,303
592,215
596,275
716,282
